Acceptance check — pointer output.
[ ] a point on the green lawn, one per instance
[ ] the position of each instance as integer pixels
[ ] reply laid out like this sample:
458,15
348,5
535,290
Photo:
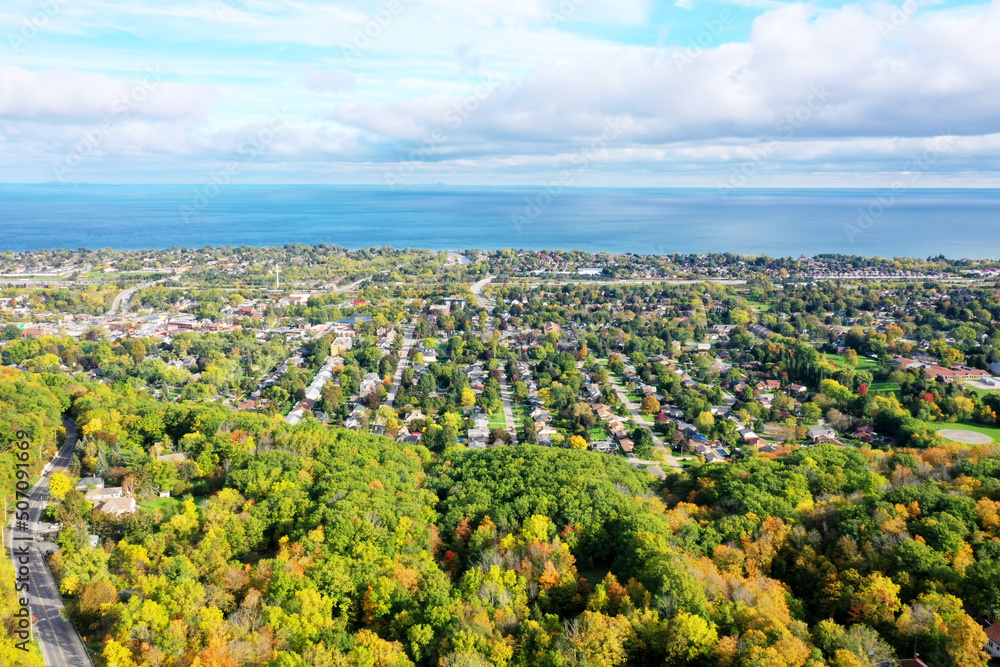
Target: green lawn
991,431
884,386
864,363
170,504
598,433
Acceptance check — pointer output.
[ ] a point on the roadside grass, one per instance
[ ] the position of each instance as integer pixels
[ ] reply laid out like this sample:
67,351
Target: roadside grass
992,431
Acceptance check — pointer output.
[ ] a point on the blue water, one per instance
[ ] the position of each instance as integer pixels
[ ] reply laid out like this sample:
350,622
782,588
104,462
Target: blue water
914,223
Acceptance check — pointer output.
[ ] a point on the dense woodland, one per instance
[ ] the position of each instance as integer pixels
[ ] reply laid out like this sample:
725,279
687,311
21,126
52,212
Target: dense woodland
312,545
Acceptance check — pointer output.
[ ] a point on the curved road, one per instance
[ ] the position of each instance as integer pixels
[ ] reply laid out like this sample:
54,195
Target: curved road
61,645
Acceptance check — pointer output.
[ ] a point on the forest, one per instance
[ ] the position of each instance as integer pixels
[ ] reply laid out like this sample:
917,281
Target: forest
312,545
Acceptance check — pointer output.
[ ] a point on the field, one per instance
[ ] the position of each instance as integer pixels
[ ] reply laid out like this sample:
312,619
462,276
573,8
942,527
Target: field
864,363
991,431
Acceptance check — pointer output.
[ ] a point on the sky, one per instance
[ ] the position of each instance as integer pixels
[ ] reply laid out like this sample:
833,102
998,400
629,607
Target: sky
725,94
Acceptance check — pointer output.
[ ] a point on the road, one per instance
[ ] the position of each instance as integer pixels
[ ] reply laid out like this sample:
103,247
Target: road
60,644
352,286
634,411
508,412
401,366
121,301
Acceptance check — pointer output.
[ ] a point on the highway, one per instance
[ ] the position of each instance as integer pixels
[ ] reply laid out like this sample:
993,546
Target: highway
59,642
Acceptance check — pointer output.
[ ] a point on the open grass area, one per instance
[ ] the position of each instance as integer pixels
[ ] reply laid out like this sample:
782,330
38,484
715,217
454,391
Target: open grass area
885,386
991,431
598,433
864,363
170,504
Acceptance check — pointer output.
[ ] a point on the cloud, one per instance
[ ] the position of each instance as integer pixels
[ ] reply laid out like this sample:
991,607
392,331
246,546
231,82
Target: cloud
824,74
71,96
329,80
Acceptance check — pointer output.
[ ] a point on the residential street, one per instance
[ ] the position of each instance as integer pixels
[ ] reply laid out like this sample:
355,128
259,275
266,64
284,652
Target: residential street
59,642
508,412
634,411
401,366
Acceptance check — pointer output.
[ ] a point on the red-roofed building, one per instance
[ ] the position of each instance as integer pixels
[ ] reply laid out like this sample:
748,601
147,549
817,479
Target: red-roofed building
992,645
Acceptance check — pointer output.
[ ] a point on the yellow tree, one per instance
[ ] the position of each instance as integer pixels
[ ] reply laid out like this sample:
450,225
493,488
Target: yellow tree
59,485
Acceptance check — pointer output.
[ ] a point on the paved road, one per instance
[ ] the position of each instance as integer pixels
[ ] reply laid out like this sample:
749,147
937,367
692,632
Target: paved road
634,411
60,644
351,287
508,412
121,301
403,361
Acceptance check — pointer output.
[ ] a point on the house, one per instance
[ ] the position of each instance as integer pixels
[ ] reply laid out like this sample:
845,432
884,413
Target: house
551,327
87,482
992,645
915,661
603,446
903,362
865,433
104,494
118,506
340,346
594,392
795,389
817,432
454,303
673,412
627,445
178,458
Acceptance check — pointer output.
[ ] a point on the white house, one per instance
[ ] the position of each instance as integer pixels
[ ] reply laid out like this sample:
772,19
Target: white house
992,645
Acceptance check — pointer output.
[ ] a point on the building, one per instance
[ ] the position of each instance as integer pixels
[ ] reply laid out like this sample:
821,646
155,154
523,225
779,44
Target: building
816,433
87,482
454,303
992,645
340,346
96,495
178,457
118,506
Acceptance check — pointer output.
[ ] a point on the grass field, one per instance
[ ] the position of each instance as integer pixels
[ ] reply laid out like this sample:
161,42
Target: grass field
170,504
991,431
864,363
758,307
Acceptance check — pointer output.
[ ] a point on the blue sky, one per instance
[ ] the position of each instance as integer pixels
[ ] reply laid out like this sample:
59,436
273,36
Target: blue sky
748,93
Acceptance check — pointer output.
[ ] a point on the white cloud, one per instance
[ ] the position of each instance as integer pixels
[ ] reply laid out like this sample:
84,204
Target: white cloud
329,80
69,95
